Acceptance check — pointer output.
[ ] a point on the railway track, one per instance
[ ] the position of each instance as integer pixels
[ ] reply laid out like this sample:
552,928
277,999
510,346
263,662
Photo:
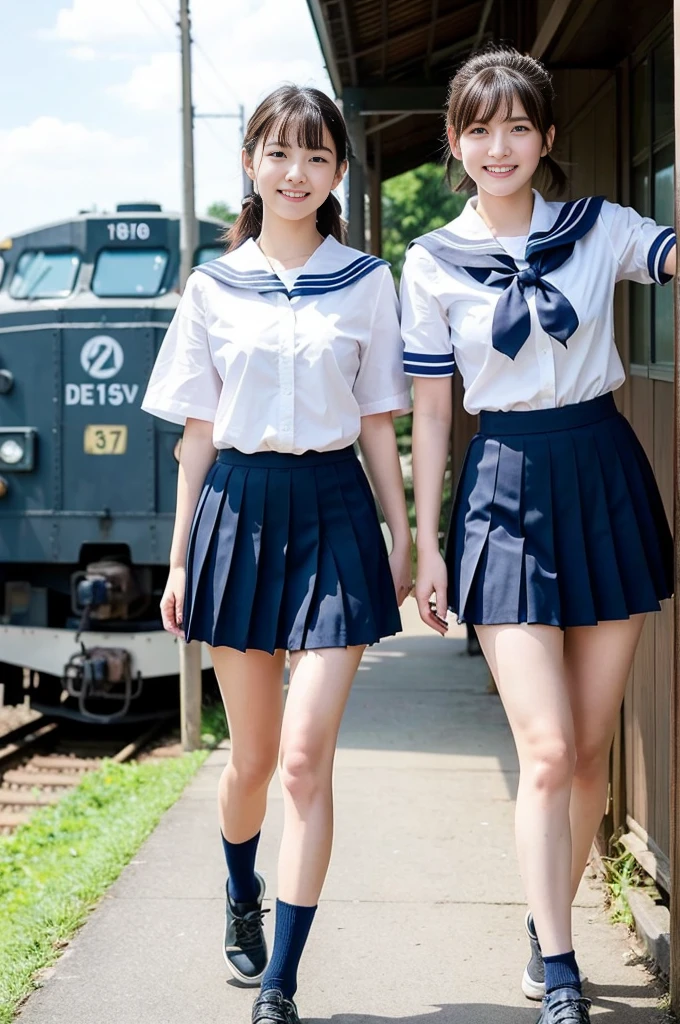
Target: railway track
39,764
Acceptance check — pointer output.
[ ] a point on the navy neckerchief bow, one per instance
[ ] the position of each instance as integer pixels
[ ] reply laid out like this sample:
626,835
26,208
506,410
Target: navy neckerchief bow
488,262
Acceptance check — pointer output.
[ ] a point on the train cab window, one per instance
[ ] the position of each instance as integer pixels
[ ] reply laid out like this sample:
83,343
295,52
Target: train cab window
44,275
129,273
207,253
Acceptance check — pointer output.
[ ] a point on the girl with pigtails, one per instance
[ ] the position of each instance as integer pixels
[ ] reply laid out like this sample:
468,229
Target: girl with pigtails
282,353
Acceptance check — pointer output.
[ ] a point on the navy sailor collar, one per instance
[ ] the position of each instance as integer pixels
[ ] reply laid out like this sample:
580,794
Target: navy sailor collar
330,267
555,229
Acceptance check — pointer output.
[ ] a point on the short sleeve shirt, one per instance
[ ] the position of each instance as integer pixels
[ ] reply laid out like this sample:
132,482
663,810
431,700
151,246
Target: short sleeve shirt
285,363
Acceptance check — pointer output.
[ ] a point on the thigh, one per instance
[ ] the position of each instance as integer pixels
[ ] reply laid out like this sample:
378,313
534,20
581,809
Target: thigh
320,683
527,662
597,662
251,685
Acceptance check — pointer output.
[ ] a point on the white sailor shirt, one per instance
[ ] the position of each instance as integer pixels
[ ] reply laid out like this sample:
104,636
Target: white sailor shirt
531,333
279,364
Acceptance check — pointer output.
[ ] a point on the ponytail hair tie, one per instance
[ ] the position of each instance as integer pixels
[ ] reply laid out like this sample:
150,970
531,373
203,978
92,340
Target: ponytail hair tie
252,199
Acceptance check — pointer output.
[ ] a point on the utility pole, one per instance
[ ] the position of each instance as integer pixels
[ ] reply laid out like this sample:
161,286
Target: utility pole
189,230
247,183
189,654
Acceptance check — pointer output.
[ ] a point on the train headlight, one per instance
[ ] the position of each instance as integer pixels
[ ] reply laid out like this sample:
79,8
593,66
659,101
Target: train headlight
11,452
17,449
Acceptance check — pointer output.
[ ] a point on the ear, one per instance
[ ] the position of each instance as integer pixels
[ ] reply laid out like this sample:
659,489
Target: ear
549,140
453,143
339,174
248,167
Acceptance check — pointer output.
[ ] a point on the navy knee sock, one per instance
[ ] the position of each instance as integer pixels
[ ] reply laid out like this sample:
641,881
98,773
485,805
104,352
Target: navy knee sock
561,972
290,935
243,885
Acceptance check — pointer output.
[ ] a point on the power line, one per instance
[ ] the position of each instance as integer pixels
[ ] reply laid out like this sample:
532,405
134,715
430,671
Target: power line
217,74
152,21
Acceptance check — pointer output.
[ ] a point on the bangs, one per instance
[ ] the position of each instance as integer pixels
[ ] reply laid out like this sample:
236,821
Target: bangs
300,121
494,91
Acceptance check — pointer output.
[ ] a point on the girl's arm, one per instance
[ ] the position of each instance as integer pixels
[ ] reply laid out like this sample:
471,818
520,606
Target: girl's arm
196,456
670,265
432,413
379,447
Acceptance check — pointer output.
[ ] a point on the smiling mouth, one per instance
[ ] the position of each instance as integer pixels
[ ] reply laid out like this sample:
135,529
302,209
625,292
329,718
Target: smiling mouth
500,169
291,194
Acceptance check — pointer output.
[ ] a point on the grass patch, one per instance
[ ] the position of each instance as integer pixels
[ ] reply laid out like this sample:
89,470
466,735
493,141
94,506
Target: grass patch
55,868
623,873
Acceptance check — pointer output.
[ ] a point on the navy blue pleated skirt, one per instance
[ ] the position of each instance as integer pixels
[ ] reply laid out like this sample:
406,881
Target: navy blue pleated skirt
557,520
286,552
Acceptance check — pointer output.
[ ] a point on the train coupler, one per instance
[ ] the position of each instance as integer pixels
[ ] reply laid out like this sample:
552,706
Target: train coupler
102,674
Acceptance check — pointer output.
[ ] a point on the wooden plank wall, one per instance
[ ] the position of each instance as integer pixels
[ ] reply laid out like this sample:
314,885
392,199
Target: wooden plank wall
594,149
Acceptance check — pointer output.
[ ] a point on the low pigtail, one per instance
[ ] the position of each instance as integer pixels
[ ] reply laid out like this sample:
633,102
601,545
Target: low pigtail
329,219
247,225
555,178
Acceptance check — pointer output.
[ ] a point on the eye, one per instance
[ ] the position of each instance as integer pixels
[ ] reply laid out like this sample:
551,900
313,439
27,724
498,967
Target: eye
276,152
319,159
477,131
521,128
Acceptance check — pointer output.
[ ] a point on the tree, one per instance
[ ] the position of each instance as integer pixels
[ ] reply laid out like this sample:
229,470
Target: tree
222,211
412,204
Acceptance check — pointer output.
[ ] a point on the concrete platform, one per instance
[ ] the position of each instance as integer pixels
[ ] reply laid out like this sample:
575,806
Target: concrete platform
421,917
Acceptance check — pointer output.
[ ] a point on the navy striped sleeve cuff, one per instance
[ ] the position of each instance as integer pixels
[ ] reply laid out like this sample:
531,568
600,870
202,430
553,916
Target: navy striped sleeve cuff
418,364
658,253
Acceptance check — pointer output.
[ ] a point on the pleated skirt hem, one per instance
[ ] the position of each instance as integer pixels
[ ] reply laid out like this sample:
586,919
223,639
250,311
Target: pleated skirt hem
557,521
286,552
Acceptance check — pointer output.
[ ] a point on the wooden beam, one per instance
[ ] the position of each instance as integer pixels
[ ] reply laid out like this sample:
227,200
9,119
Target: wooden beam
675,682
430,36
351,55
571,30
486,11
408,33
318,13
384,28
395,99
550,27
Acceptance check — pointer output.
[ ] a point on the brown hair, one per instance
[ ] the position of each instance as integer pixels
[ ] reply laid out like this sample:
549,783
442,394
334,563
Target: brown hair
490,81
308,112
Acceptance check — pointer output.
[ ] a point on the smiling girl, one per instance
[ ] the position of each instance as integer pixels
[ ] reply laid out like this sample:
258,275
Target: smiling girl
559,544
282,353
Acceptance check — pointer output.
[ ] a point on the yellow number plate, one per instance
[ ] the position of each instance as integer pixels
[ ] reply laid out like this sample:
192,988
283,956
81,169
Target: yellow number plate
105,439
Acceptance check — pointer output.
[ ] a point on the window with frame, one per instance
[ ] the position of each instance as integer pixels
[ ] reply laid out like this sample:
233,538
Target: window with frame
653,192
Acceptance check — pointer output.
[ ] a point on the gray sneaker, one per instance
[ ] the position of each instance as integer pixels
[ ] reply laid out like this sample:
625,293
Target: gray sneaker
270,1007
533,979
565,1006
245,949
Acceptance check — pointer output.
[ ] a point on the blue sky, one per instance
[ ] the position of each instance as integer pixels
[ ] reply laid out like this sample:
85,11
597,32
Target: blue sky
91,98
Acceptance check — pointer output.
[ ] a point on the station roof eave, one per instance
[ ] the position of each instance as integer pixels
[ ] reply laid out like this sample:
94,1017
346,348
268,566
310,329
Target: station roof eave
390,61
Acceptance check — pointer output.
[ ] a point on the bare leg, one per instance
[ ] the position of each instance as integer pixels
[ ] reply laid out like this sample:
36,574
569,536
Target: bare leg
320,682
597,661
251,685
527,664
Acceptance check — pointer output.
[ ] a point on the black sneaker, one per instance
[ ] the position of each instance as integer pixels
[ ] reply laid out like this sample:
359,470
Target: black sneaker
565,1006
533,980
271,1008
245,949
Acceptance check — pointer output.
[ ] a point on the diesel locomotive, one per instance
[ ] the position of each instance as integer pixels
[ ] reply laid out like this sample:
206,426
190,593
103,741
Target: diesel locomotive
87,480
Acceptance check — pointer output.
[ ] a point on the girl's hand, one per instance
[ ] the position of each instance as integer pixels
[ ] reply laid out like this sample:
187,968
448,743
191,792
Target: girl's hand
172,602
400,567
432,579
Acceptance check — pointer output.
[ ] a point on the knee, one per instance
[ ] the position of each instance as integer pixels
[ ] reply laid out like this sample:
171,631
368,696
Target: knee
251,771
550,764
592,762
302,775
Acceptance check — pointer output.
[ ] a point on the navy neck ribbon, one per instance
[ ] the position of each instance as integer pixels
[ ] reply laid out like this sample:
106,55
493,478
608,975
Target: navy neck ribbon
487,262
